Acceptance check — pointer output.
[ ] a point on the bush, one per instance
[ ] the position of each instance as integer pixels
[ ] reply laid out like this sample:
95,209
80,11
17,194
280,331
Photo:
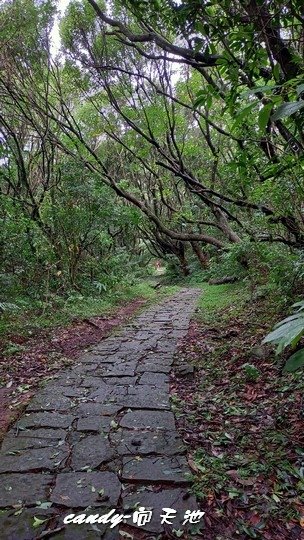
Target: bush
274,267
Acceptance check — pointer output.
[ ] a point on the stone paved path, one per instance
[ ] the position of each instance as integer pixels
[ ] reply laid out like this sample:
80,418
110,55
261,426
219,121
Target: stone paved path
101,435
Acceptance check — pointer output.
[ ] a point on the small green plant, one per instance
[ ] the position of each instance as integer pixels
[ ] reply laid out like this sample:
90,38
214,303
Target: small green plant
13,348
252,373
7,306
288,332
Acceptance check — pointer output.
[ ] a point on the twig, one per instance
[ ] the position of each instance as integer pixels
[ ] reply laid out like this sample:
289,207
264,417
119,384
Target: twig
49,532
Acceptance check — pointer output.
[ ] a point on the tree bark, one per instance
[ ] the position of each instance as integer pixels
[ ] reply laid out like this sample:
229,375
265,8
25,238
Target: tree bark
202,257
184,265
263,21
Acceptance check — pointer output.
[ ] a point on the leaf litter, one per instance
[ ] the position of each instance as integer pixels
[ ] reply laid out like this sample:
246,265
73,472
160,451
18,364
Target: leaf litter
244,436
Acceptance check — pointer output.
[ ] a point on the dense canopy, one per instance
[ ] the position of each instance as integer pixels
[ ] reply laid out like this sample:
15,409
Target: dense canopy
145,146
180,124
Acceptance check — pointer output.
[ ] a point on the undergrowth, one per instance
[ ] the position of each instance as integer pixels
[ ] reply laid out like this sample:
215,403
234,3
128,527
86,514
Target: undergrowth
30,314
242,421
219,301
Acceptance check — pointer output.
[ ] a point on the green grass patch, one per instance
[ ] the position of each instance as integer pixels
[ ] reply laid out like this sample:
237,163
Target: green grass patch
218,300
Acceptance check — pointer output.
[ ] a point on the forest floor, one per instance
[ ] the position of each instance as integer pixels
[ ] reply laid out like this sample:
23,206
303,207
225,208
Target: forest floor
34,347
101,436
242,421
45,353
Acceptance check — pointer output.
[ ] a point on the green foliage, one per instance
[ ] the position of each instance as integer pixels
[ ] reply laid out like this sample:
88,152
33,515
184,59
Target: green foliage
110,155
294,362
221,300
34,314
274,268
289,332
252,373
287,109
7,306
12,348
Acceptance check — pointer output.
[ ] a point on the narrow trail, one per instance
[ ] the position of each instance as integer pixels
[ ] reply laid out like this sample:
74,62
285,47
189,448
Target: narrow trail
102,435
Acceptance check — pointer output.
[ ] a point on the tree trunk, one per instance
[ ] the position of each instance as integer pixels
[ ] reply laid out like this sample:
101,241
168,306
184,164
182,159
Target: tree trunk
225,226
184,265
202,257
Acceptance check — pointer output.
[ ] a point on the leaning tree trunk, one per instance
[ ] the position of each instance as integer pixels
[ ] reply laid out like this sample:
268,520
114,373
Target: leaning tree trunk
202,257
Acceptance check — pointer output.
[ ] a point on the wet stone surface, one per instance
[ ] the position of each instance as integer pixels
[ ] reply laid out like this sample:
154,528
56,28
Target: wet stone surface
29,488
91,451
158,470
130,442
82,489
150,399
148,420
48,401
20,526
160,380
32,438
87,532
45,419
94,423
38,459
101,435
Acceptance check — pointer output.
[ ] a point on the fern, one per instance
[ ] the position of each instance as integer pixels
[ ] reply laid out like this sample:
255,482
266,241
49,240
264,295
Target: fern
7,306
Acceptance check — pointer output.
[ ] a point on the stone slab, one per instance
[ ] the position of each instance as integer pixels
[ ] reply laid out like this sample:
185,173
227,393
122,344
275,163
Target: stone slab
92,451
126,369
87,531
148,419
160,380
151,400
101,424
50,401
34,460
164,470
96,409
127,381
45,419
103,395
36,438
20,526
129,442
68,391
71,392
82,489
95,381
153,367
68,379
96,358
24,488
